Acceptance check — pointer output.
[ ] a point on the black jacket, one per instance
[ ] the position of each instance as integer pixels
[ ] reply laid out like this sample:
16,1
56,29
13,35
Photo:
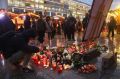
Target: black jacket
41,25
27,23
70,24
12,42
85,22
6,24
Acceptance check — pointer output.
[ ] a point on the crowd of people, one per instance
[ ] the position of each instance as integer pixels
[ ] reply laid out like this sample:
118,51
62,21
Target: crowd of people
47,24
14,42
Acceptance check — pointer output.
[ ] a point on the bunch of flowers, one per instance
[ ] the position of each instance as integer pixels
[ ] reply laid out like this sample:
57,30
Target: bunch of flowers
89,68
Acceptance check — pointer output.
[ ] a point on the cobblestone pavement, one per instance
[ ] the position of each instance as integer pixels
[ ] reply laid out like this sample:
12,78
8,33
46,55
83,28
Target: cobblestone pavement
46,73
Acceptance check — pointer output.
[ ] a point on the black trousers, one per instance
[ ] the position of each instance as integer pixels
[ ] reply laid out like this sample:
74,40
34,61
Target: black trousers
111,31
70,35
41,37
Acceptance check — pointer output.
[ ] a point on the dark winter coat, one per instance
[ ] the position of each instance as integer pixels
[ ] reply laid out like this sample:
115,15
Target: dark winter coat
70,24
12,42
85,22
27,23
41,25
33,25
6,24
112,25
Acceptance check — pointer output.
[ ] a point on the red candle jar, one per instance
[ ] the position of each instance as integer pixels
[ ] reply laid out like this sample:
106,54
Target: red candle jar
54,66
60,69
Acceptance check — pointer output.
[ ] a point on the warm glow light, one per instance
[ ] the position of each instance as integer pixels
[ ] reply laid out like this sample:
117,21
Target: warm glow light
1,15
24,17
36,0
118,6
45,8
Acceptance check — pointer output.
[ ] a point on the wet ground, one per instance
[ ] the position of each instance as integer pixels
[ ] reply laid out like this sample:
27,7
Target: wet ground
45,73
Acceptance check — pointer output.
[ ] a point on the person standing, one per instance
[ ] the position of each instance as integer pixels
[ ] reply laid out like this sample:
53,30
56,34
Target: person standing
85,21
41,28
59,28
70,28
6,24
111,26
79,26
33,23
54,28
64,27
16,49
49,27
27,23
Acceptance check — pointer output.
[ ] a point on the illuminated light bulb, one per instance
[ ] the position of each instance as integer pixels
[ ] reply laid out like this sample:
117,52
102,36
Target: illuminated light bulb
1,15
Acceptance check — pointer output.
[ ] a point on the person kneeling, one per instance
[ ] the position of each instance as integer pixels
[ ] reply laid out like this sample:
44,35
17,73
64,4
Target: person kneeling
15,48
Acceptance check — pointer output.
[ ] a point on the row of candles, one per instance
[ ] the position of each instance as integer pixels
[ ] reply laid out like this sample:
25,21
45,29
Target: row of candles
43,58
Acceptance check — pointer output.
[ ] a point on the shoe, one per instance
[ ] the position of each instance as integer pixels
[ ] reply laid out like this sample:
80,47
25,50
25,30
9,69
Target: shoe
27,70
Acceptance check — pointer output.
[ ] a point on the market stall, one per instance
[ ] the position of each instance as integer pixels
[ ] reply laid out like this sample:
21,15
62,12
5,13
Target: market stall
18,19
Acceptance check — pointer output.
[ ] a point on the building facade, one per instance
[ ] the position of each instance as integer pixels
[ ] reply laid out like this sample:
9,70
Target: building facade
78,8
55,7
20,6
48,7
